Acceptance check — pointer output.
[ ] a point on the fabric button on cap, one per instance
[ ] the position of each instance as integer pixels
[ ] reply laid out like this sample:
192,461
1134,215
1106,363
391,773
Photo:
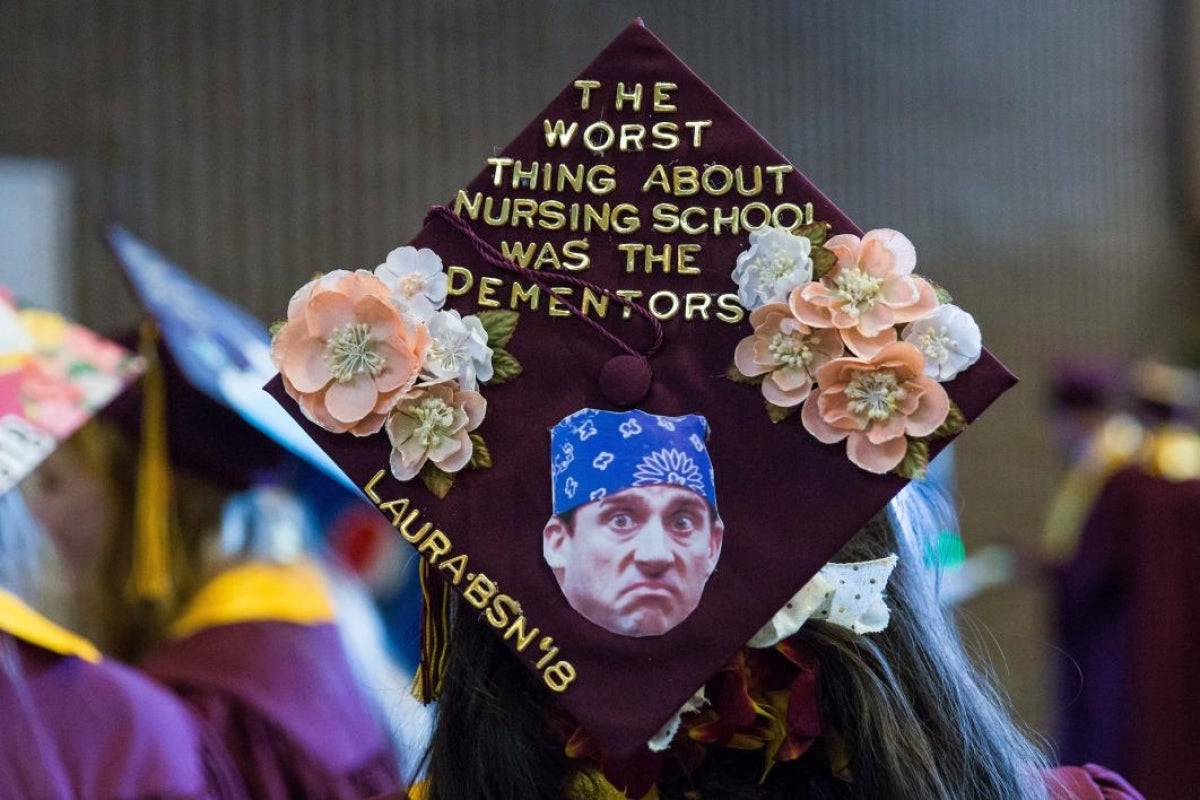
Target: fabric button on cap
625,380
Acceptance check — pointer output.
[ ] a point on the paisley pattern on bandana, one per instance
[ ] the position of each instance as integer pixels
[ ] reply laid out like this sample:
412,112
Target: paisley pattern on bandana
669,466
596,453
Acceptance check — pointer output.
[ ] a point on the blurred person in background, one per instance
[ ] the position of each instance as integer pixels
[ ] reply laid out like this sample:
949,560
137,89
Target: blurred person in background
206,578
1095,435
215,596
1128,599
74,723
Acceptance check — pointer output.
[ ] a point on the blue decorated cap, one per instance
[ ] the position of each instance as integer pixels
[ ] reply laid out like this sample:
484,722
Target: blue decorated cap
595,453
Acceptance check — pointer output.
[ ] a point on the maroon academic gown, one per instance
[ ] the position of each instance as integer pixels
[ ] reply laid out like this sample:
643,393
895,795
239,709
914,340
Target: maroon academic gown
1129,601
1089,782
284,701
74,728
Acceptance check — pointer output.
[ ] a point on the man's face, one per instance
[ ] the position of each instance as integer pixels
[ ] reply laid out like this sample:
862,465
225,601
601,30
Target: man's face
636,562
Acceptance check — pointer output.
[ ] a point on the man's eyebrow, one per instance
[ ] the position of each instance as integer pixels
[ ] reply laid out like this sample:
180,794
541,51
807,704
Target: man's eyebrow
688,503
619,501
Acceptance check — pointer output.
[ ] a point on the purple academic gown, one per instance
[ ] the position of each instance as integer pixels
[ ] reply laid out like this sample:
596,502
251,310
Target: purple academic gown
72,728
284,701
1129,603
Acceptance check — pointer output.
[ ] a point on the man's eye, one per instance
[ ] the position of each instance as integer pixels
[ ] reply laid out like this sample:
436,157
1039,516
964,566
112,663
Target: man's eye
684,523
621,521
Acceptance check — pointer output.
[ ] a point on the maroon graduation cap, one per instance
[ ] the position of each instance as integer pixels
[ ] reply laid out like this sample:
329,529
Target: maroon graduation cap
637,258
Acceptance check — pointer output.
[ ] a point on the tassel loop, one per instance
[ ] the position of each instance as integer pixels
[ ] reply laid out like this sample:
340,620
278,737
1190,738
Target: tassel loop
151,578
435,635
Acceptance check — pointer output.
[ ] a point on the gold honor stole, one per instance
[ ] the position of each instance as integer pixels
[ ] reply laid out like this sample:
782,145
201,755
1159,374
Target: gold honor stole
258,592
25,624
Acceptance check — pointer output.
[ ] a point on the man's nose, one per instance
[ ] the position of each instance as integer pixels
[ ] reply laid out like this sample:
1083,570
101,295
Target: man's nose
652,552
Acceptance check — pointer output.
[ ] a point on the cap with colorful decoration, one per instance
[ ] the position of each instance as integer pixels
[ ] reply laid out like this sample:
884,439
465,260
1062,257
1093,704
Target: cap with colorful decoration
54,376
638,308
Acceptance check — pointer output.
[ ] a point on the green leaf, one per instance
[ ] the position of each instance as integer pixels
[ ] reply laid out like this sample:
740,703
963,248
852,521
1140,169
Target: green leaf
481,457
942,295
915,461
499,326
955,421
81,368
436,480
823,261
780,413
504,367
815,232
276,327
734,374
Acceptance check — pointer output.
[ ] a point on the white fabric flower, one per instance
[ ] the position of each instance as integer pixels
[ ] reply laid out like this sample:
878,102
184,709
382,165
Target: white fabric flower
458,350
416,280
948,338
777,262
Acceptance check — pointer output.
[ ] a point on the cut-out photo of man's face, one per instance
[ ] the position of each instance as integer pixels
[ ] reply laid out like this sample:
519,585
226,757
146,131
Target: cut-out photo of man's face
634,560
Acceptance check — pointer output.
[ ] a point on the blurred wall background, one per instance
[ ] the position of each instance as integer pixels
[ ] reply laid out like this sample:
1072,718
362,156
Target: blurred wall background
1027,148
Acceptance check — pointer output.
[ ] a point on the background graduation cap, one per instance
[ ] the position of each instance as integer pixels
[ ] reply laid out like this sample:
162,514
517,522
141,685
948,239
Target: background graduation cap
54,376
200,407
598,251
219,349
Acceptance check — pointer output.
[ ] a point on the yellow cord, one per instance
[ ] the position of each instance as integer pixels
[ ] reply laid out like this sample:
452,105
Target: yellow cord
152,509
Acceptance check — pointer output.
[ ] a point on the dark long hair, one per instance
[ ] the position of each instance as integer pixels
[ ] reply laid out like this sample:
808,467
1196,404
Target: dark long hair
919,719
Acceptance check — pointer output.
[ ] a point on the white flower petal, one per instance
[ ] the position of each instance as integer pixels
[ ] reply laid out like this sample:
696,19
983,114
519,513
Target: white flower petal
949,339
777,262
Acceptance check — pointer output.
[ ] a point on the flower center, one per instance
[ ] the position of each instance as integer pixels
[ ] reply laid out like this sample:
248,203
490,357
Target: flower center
449,352
351,352
936,344
790,350
873,394
411,285
775,263
857,289
435,421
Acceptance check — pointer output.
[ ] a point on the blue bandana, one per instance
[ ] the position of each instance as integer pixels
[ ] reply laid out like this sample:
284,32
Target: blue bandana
597,453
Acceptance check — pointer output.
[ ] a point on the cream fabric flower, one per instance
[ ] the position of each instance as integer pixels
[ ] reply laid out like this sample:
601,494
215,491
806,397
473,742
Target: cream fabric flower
433,424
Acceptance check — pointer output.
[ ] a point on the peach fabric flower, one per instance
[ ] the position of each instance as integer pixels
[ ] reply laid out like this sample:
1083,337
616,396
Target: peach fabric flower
868,292
432,424
787,351
346,353
875,404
